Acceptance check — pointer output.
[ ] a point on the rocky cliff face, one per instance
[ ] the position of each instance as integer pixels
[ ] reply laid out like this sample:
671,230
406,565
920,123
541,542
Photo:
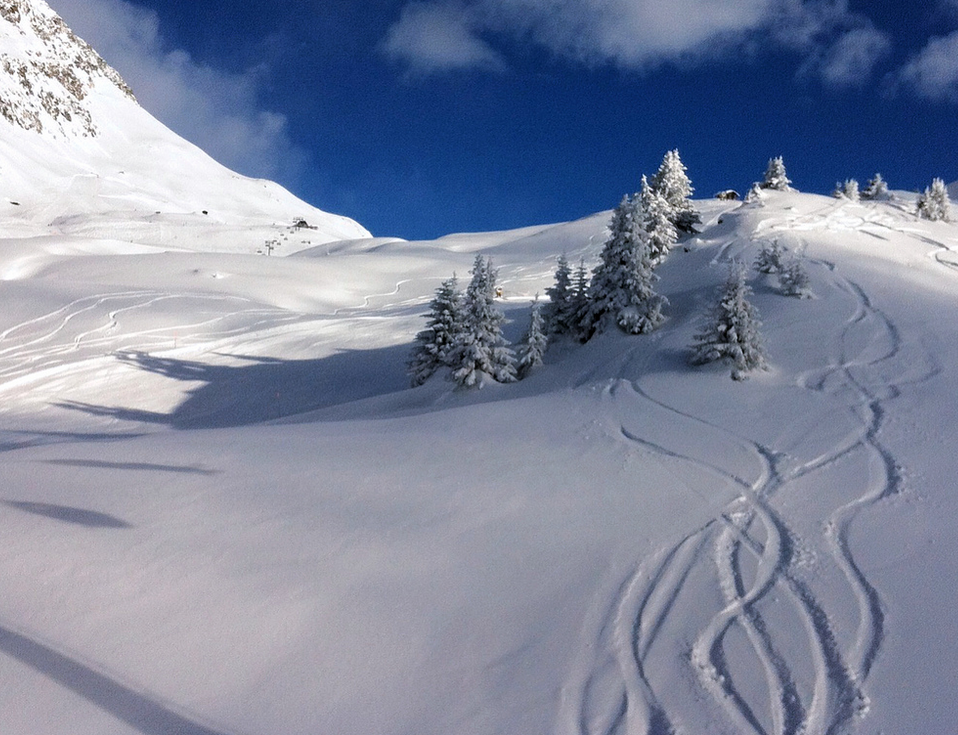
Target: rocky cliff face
48,72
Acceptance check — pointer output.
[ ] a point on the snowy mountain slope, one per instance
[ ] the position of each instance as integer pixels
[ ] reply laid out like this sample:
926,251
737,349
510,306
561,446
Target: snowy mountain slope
224,512
79,156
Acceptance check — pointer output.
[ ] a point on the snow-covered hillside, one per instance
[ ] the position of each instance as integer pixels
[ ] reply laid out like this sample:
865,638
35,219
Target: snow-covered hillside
225,513
79,156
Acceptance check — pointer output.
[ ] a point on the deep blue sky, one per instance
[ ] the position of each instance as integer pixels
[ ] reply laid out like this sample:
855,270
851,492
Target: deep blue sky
423,118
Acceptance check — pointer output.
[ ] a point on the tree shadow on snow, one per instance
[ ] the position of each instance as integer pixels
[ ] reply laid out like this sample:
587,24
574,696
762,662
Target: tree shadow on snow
141,712
68,514
262,389
132,466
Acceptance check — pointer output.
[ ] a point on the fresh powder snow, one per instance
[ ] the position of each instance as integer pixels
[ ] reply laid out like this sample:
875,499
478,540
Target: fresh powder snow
225,512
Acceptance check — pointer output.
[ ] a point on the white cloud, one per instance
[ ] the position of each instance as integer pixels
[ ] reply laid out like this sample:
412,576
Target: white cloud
432,37
851,60
933,73
217,110
640,34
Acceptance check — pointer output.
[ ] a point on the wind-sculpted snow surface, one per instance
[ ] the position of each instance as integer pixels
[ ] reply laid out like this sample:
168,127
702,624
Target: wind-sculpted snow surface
224,511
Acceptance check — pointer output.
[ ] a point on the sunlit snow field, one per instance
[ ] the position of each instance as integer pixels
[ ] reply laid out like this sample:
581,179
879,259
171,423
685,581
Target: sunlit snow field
224,511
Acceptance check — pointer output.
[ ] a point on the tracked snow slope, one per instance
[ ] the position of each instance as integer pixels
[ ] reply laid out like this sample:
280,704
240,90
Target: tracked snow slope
78,155
224,512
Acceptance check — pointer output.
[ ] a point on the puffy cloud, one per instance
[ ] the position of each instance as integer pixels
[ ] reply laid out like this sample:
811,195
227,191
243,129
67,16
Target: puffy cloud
933,73
217,110
433,37
638,34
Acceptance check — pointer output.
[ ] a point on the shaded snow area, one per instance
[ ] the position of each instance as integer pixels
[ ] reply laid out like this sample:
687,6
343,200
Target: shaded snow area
225,513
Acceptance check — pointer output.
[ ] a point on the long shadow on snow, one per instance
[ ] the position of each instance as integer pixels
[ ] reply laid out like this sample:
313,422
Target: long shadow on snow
69,514
132,466
136,709
264,388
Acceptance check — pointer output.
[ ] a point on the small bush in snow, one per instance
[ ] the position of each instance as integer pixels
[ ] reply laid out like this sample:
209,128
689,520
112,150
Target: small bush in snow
876,189
534,343
481,350
731,332
775,177
770,258
434,343
793,278
933,203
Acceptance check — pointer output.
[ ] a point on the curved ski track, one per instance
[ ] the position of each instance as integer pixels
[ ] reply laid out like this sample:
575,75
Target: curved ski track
749,559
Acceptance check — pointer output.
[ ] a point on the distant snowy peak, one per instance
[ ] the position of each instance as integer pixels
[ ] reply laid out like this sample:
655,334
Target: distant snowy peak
48,72
80,157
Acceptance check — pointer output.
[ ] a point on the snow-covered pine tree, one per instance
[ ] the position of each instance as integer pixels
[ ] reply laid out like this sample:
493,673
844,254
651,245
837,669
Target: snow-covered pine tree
731,332
534,343
775,177
658,223
621,290
850,190
480,349
672,182
933,203
581,305
770,258
876,189
434,343
793,278
755,196
559,313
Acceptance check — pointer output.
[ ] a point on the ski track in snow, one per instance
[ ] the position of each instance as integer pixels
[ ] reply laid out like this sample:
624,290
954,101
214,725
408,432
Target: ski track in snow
749,553
90,326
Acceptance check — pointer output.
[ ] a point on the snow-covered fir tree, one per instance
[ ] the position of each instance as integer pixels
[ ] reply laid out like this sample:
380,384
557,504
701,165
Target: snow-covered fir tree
770,258
559,313
672,182
434,343
848,190
755,196
933,203
580,301
775,177
534,343
657,214
876,189
481,350
621,290
731,332
793,278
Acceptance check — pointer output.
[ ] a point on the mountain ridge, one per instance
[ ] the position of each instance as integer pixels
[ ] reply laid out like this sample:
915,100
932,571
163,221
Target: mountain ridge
77,141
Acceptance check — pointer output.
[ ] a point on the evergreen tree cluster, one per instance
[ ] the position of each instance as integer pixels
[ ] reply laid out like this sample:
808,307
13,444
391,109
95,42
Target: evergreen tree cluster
775,259
464,333
933,202
876,189
464,336
643,230
849,190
